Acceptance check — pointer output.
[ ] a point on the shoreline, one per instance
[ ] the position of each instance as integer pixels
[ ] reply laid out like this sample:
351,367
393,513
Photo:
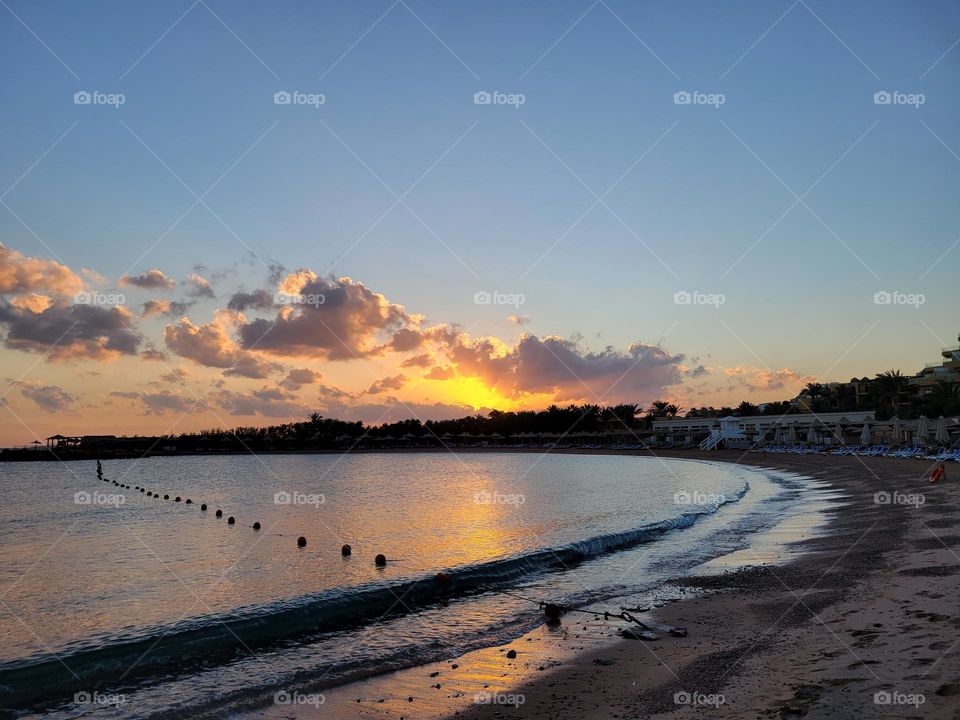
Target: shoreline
798,609
866,609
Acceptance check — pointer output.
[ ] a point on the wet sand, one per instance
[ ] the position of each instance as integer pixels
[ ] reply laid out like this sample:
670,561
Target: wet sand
862,624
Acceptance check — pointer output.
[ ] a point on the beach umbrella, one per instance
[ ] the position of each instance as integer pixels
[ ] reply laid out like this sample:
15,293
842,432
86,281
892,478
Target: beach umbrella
942,436
865,434
838,434
812,434
896,435
778,435
792,433
923,430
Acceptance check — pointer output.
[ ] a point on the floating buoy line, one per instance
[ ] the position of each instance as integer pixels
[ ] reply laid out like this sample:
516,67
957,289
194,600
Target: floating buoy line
345,551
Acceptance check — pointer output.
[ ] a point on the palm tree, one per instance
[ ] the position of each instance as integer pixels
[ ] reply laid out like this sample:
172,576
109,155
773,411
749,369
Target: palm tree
658,408
943,399
889,388
672,411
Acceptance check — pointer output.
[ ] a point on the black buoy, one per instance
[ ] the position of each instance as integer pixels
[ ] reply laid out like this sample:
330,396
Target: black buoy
380,560
219,513
443,580
346,550
166,497
203,507
301,541
553,612
189,501
178,498
231,520
142,490
256,526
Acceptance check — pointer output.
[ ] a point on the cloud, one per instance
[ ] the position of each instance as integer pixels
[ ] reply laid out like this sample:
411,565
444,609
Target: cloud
33,302
424,360
64,331
440,373
150,352
698,371
298,377
22,274
50,398
395,382
211,345
327,318
268,402
560,367
199,287
175,376
518,319
149,280
763,379
169,308
163,402
256,300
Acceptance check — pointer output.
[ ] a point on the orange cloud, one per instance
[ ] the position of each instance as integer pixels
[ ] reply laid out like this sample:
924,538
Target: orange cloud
22,274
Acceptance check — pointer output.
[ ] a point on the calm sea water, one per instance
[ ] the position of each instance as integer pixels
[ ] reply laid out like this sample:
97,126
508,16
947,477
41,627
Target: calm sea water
136,606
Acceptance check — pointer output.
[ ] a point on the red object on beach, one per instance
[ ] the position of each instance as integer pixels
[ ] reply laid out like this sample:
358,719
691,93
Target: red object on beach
939,473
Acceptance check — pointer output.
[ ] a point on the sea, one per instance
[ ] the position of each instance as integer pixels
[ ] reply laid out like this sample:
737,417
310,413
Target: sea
118,600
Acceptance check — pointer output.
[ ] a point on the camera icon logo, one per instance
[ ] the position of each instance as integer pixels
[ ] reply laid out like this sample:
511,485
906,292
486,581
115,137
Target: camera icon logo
282,498
282,97
882,97
82,498
882,298
482,297
682,298
82,97
482,97
682,97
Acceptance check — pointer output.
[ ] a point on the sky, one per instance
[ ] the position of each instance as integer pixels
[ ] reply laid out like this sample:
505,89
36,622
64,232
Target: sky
235,213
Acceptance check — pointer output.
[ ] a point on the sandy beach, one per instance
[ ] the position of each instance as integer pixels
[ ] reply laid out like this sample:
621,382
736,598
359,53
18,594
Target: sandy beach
861,624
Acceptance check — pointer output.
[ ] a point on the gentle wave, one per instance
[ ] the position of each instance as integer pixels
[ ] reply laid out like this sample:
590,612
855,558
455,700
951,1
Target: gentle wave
220,637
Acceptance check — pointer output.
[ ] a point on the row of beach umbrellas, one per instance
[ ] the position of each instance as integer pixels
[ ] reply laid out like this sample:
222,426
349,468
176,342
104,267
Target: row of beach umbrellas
897,432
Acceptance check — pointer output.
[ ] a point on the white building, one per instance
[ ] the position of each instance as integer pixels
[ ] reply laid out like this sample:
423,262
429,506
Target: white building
745,432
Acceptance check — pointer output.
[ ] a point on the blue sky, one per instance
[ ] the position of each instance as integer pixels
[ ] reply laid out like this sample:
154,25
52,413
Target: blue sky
499,189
